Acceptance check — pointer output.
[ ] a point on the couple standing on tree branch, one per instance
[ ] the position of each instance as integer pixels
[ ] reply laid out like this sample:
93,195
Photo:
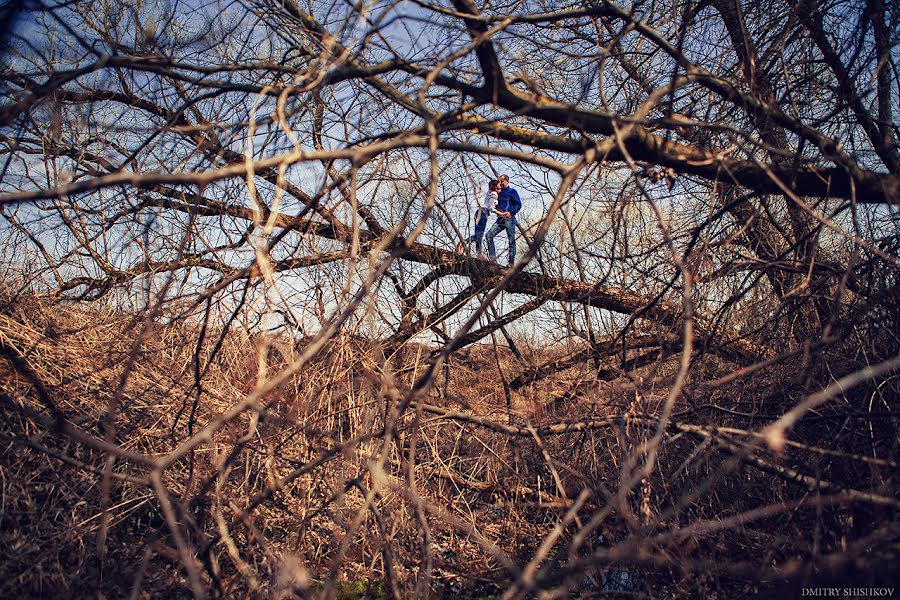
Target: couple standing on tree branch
503,201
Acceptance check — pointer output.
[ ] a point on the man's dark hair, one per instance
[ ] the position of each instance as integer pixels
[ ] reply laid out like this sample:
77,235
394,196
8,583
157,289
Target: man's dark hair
506,177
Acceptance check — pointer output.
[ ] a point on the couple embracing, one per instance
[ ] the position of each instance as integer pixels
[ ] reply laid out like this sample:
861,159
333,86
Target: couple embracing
503,201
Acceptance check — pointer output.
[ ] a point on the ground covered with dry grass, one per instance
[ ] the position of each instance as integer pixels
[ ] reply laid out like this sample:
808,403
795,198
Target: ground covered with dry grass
308,496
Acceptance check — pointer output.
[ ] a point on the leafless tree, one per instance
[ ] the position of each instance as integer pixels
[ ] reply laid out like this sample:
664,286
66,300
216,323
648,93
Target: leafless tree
236,333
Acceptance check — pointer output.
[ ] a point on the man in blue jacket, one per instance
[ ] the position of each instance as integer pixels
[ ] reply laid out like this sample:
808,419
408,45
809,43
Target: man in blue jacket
508,204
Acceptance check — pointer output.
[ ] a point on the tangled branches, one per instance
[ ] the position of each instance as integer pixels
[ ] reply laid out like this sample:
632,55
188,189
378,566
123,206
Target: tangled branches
240,356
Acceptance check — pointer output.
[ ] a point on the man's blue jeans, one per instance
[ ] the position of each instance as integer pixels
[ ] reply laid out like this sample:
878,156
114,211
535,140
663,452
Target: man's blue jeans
481,217
510,226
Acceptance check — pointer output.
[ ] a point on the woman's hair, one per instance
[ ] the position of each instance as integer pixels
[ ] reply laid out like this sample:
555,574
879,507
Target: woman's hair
493,183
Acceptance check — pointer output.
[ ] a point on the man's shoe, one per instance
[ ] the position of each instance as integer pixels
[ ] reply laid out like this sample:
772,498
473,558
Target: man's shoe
481,256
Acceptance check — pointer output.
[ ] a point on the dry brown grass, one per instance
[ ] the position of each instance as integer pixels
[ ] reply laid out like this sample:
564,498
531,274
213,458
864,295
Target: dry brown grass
285,505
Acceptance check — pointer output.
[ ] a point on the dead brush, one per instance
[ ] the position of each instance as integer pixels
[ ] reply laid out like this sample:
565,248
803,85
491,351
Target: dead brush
308,492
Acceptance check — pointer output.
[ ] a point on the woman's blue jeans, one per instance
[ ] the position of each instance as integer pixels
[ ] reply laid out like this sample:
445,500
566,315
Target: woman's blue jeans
481,217
510,226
